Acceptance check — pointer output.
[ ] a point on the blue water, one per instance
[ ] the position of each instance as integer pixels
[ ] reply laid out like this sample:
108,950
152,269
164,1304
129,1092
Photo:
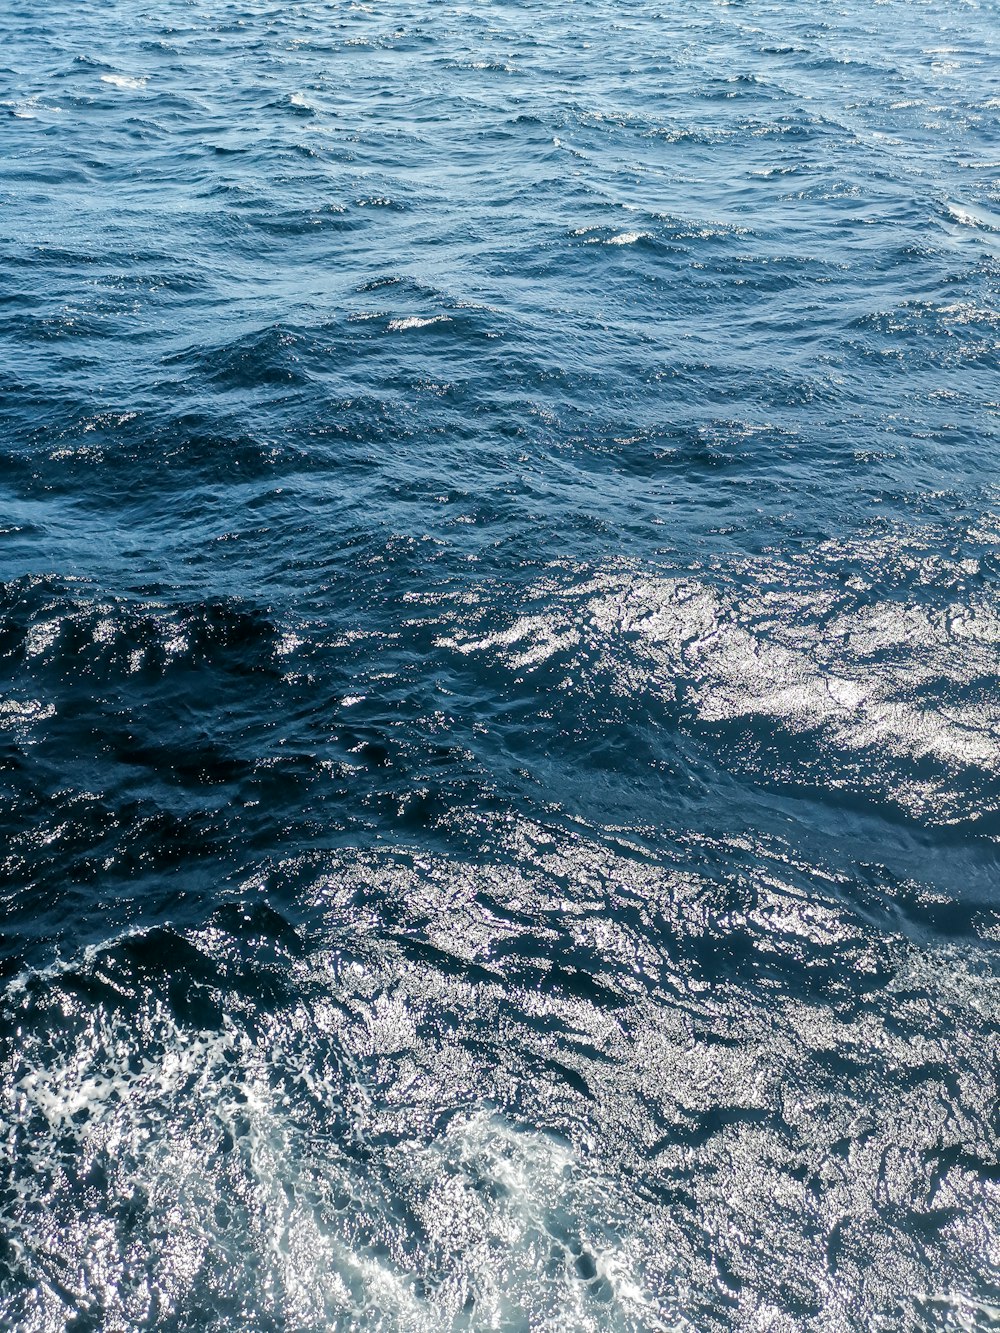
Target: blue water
500,728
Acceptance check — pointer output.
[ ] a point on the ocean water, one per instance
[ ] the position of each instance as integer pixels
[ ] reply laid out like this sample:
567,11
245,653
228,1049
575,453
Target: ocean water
500,727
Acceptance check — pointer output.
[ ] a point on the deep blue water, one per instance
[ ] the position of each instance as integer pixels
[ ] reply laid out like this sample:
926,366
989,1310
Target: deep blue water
500,728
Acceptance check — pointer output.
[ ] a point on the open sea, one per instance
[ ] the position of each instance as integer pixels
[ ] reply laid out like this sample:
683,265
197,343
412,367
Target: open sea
499,649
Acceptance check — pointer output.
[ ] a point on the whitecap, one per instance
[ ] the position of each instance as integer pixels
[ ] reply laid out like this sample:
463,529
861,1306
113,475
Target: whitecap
621,238
628,238
29,109
126,81
971,216
416,322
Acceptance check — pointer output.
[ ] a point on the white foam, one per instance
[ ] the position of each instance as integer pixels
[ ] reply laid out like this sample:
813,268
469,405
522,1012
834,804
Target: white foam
30,108
622,237
152,1104
973,216
628,238
131,83
416,322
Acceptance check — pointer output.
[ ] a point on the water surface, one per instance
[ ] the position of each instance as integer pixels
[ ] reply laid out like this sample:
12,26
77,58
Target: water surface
499,732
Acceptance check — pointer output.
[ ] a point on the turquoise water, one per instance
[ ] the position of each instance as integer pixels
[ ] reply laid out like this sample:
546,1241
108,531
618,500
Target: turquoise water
499,730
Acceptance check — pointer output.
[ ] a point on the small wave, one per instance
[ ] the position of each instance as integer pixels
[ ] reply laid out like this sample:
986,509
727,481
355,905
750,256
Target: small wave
404,322
49,628
970,215
598,235
127,82
30,109
629,237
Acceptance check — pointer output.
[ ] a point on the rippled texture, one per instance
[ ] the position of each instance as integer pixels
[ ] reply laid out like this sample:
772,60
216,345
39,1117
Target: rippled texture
500,737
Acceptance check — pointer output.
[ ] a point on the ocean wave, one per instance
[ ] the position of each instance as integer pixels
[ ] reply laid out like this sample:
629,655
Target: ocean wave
499,734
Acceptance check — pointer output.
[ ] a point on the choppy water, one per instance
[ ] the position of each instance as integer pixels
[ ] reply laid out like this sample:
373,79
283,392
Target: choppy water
500,726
